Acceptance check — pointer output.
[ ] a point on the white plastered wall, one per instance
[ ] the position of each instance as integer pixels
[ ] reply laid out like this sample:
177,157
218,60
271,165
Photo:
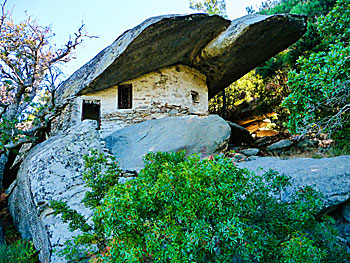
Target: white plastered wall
173,86
167,86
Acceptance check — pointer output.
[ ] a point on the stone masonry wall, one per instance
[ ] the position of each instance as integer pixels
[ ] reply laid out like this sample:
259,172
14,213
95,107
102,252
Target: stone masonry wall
166,92
127,117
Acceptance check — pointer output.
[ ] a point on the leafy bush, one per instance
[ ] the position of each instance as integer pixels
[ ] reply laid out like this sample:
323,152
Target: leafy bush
189,210
19,252
320,93
186,210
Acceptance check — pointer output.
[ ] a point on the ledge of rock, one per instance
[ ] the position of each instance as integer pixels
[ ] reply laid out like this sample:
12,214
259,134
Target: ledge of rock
205,135
222,50
331,176
52,171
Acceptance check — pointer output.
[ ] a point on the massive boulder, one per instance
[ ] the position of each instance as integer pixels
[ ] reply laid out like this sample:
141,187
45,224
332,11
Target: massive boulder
221,49
205,135
331,176
52,171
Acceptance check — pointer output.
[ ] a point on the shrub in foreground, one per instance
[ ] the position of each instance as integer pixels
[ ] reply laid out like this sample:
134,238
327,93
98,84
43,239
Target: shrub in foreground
18,252
186,210
183,209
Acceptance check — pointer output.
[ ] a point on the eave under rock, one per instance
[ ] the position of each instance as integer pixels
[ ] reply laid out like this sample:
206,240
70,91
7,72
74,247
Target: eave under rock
221,49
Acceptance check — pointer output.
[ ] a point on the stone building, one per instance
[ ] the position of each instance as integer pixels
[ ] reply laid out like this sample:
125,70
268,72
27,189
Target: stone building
173,91
170,66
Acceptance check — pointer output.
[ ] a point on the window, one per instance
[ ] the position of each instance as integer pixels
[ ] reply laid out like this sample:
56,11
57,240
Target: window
125,96
91,110
195,96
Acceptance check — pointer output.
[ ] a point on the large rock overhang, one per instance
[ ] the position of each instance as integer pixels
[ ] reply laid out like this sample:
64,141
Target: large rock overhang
245,44
223,50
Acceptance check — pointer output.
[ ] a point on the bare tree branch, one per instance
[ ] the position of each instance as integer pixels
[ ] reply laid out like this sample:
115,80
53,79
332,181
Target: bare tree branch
30,75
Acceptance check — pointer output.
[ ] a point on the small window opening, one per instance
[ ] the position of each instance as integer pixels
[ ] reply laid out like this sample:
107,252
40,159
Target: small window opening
195,96
91,111
125,96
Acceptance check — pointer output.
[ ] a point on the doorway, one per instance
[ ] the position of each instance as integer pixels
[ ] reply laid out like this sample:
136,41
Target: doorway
91,110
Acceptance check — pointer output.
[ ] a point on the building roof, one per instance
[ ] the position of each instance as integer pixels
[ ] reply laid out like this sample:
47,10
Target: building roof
221,49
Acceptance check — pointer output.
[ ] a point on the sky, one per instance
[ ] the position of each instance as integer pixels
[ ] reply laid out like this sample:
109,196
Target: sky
106,19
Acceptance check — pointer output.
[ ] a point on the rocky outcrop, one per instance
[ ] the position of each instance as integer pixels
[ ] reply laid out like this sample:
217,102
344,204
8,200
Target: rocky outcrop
231,54
331,176
222,50
52,171
250,151
205,135
3,161
239,135
280,146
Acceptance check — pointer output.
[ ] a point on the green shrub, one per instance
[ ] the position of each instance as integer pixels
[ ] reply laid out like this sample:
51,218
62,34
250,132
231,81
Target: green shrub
320,93
183,209
299,248
19,252
186,210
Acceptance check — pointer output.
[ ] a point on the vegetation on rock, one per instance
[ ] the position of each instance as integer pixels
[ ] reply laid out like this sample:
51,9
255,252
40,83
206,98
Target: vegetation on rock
100,174
182,209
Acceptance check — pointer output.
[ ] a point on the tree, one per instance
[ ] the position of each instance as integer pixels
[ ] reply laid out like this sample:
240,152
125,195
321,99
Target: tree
320,88
30,75
211,7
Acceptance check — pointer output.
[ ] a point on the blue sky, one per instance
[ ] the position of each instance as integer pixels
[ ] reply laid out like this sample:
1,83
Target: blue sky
104,18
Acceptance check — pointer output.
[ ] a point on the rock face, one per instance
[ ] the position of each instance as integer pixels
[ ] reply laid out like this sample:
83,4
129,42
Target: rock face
205,135
280,146
331,176
250,152
220,49
239,135
52,171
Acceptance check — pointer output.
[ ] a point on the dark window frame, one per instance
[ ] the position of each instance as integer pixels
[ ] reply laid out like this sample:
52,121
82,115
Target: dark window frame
194,96
125,96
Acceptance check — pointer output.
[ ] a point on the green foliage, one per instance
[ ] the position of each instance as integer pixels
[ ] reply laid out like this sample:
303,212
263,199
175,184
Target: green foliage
301,249
311,39
71,216
260,96
241,92
19,252
211,7
310,8
186,210
319,99
334,27
100,174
